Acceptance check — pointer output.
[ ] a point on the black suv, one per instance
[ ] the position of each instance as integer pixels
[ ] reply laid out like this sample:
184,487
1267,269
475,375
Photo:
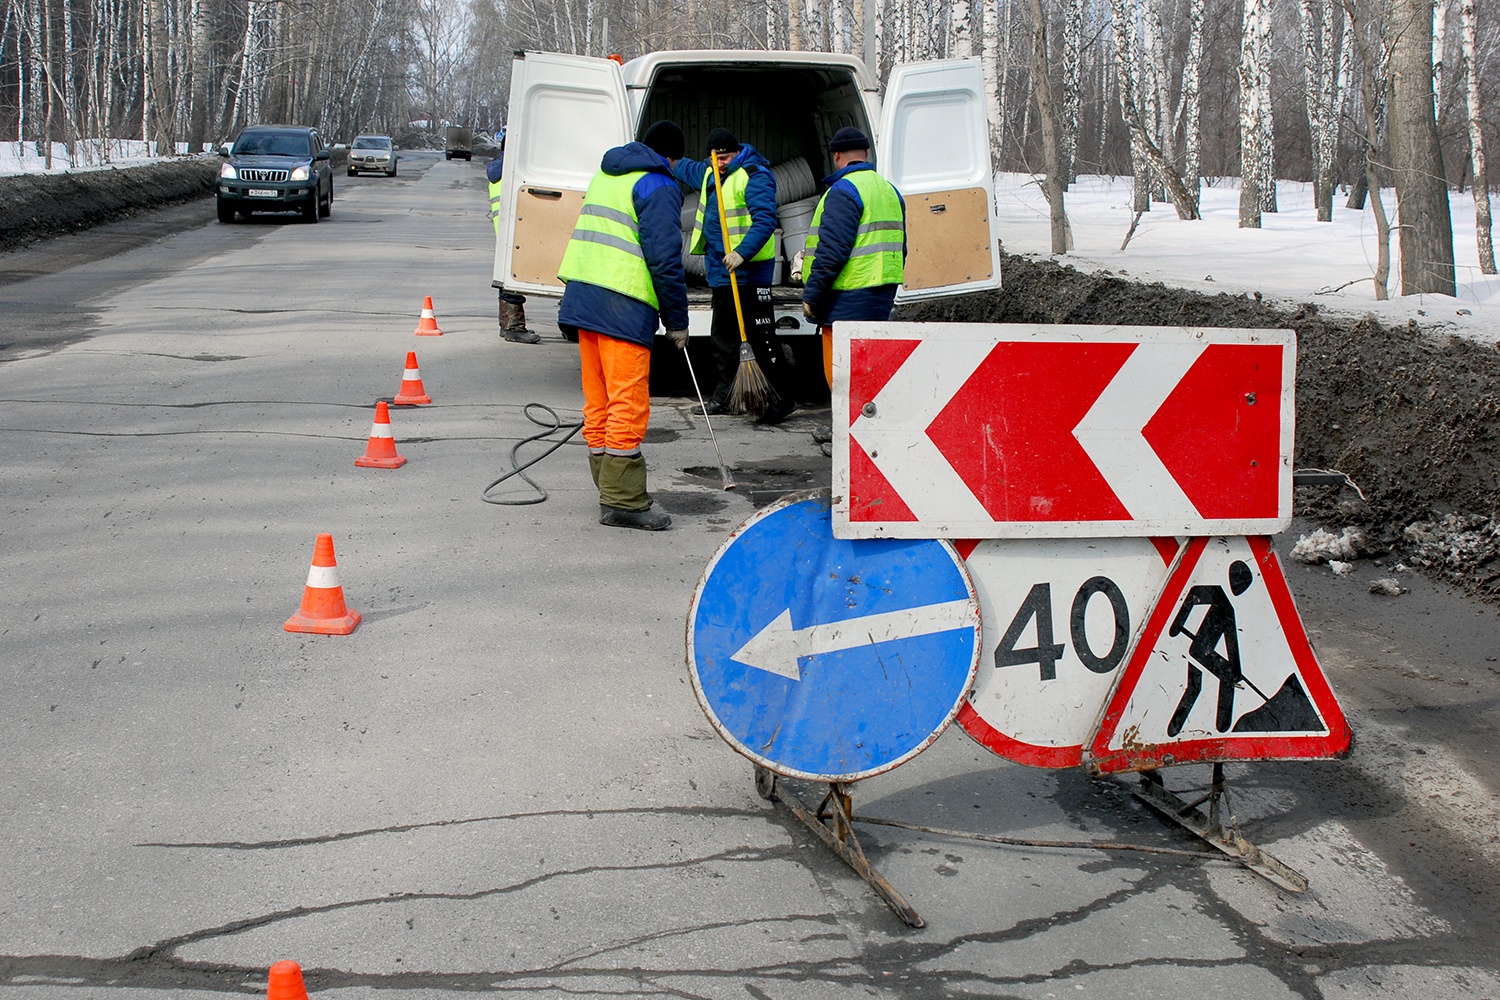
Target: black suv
276,168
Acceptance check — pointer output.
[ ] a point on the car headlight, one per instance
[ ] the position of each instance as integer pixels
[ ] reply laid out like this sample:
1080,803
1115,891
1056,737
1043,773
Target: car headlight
228,172
300,173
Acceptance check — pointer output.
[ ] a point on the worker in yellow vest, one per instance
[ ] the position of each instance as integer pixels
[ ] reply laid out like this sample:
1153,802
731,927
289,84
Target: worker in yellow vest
624,275
855,255
512,304
750,258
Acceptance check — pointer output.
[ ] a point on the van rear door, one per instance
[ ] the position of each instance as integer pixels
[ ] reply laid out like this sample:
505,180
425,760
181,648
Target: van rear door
565,111
934,145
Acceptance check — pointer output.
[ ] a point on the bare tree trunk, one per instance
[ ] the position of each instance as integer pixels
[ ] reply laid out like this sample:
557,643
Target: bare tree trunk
1482,222
1041,88
794,25
1439,37
1370,72
990,59
1192,102
1251,116
1324,73
1154,162
1421,186
1072,87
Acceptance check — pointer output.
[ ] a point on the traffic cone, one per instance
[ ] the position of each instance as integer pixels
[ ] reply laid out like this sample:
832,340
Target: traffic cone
323,612
286,982
427,324
380,453
412,393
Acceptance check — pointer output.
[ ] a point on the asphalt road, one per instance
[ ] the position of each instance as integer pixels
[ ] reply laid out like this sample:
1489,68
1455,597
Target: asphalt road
502,782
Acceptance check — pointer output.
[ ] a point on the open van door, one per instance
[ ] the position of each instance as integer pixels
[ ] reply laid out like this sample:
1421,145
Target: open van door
565,111
934,145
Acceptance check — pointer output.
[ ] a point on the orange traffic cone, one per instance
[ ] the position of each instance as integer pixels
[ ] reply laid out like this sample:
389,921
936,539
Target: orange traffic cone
323,612
380,453
427,324
286,982
412,393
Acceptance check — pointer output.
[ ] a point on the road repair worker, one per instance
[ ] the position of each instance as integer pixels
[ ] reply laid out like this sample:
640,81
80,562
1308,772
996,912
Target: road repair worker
512,304
623,269
750,211
855,255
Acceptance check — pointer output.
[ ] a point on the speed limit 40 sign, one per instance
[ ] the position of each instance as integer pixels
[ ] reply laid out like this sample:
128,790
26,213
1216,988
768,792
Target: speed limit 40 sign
1060,615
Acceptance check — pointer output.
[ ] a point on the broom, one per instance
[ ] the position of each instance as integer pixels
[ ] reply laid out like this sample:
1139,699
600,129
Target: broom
751,391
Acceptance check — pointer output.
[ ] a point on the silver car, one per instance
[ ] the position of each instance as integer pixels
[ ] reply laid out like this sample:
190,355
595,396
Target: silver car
372,152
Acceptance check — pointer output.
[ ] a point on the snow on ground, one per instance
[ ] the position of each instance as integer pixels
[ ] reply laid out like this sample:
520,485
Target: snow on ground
91,154
1291,259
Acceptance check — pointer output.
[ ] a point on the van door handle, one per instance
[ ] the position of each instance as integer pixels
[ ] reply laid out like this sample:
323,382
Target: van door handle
938,209
543,193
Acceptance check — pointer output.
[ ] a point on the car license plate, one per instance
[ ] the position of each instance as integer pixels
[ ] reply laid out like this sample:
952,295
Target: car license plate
261,193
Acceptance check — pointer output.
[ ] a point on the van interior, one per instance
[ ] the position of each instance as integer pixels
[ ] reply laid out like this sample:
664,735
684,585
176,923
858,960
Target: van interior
788,113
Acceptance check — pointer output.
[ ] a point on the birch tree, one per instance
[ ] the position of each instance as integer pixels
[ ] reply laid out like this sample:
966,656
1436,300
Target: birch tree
1421,190
989,60
1371,71
1152,163
1468,45
1326,51
1190,103
1072,87
1254,154
1041,89
961,30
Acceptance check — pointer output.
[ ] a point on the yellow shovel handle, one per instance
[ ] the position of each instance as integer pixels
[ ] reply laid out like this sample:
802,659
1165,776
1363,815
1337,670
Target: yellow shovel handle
734,285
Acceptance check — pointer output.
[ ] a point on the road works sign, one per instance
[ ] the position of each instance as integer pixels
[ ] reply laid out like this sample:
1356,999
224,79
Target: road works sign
1222,670
960,430
1059,616
830,660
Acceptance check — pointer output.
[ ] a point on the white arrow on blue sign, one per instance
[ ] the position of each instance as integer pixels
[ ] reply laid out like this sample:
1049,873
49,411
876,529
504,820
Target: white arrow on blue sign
825,659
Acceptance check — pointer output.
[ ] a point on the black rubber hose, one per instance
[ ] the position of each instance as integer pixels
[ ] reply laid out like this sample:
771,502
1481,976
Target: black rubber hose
517,469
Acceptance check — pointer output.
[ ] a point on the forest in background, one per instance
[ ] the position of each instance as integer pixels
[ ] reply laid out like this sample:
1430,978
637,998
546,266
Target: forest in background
1177,93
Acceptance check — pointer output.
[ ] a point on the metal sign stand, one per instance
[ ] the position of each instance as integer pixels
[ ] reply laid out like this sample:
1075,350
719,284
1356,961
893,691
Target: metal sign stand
1212,830
833,822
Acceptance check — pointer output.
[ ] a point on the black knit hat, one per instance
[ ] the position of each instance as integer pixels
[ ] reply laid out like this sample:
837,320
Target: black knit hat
723,140
666,138
846,139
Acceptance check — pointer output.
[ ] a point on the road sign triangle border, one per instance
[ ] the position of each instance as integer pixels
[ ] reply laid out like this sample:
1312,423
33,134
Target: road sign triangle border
1100,758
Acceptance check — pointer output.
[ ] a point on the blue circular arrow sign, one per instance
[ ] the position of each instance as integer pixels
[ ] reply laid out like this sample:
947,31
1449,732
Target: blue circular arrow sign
825,659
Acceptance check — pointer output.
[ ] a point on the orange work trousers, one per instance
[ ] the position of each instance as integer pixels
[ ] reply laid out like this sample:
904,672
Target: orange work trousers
616,393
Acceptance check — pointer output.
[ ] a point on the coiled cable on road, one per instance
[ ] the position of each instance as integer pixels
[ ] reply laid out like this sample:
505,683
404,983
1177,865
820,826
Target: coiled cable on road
518,469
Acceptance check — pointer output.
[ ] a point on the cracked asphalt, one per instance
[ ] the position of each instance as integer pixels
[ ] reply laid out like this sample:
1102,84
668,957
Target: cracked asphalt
501,782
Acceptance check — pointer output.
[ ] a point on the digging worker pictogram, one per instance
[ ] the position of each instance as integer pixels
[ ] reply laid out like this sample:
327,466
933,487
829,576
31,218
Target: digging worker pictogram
623,270
855,257
1216,629
750,211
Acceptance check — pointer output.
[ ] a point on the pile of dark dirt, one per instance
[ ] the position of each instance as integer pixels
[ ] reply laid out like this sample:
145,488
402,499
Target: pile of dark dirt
1411,417
36,206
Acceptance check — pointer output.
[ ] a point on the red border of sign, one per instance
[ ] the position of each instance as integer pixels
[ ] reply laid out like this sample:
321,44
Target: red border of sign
1100,759
980,731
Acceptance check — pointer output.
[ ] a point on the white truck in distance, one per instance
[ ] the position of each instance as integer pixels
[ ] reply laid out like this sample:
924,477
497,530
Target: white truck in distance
931,140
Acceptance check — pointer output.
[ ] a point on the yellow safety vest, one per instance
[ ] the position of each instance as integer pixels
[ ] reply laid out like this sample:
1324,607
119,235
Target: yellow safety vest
495,203
605,248
876,258
736,213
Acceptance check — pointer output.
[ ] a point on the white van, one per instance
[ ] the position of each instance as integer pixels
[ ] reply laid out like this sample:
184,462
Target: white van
931,141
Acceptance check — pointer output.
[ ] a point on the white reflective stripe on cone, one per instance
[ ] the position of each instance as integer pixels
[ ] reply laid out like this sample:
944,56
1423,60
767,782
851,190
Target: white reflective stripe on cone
379,430
323,577
412,375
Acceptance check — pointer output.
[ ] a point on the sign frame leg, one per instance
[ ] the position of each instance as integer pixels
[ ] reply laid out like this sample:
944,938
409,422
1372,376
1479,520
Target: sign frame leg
1212,829
833,822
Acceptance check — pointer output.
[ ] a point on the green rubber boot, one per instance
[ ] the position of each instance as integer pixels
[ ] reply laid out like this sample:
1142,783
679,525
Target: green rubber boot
623,500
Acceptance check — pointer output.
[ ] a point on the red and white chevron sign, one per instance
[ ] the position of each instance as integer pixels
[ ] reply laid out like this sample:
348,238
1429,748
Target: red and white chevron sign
963,430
